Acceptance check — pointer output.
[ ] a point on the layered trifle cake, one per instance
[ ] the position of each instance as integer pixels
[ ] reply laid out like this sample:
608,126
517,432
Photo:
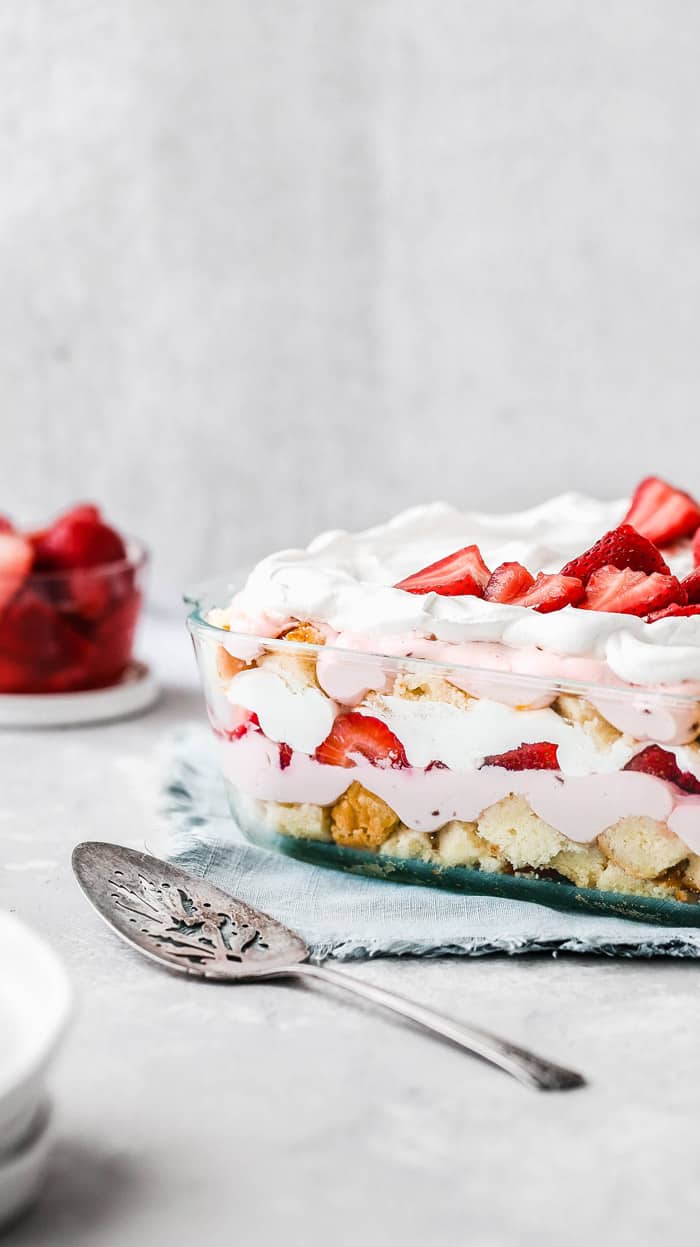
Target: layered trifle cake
512,694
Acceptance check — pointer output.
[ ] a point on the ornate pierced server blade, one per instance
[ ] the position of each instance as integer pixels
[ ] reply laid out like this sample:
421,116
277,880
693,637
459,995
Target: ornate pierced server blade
194,927
184,922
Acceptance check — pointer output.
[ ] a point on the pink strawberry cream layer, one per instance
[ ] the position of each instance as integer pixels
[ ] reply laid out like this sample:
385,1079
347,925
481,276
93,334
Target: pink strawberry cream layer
580,807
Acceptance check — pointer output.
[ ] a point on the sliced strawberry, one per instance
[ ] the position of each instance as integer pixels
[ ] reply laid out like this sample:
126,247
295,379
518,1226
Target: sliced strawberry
249,723
631,593
86,511
662,513
508,582
356,736
34,632
114,638
673,612
15,677
16,558
27,628
551,593
73,660
541,756
696,548
660,762
622,547
463,572
77,539
81,511
691,584
285,752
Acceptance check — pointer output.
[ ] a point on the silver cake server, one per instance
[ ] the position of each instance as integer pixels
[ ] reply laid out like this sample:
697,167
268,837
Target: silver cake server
193,927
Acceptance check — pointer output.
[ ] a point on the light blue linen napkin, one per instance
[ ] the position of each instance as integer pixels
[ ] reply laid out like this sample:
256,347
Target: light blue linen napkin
345,916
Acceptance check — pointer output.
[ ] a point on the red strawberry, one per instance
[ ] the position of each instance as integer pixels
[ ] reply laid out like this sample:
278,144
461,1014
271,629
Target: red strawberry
691,584
16,557
551,593
285,752
662,513
31,630
696,548
362,735
114,636
14,677
73,661
660,762
631,593
77,539
81,511
89,593
673,612
538,757
249,723
5,525
508,582
622,547
463,572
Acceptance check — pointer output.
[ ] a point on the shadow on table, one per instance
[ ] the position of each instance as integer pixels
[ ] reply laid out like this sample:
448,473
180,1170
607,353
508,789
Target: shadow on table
84,1192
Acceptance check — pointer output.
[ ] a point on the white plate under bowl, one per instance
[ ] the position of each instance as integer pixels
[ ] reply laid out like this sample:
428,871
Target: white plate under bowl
135,692
35,1005
22,1173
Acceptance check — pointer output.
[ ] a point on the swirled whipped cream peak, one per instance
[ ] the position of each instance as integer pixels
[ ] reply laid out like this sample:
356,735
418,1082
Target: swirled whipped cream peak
573,588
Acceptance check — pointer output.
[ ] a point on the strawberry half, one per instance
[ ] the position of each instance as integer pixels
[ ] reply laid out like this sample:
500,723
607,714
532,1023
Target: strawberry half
541,756
463,572
662,513
82,511
696,548
673,612
16,558
622,547
691,584
356,736
77,539
551,593
628,592
508,582
660,762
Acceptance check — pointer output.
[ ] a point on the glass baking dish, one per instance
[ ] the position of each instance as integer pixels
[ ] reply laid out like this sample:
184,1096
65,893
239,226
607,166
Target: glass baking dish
563,792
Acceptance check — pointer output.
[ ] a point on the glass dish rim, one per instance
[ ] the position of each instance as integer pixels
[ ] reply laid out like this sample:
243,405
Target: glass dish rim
197,623
138,554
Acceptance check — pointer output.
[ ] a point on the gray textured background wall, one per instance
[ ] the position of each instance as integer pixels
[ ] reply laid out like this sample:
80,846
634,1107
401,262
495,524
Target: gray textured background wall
274,265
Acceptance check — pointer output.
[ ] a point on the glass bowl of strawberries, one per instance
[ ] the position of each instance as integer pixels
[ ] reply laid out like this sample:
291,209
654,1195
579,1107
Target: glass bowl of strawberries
70,598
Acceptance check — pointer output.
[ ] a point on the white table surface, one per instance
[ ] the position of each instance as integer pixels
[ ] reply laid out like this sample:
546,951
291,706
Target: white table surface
260,1114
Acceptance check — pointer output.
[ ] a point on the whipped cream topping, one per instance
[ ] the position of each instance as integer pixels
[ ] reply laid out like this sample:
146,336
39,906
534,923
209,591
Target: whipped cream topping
344,582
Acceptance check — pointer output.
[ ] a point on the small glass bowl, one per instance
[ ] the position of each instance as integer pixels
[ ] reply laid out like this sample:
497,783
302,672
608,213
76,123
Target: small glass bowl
64,632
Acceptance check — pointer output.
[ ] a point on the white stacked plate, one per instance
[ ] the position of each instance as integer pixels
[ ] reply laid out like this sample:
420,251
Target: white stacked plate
35,1004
